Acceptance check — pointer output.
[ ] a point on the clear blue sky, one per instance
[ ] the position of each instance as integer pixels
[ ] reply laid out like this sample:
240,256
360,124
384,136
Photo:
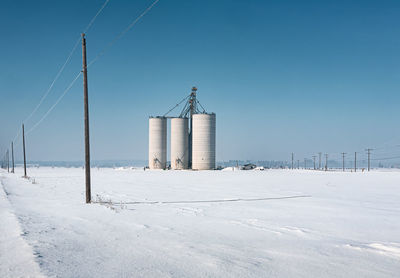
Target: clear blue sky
282,76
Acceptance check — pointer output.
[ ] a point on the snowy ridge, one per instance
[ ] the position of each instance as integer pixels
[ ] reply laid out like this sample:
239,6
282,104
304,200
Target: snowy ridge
16,256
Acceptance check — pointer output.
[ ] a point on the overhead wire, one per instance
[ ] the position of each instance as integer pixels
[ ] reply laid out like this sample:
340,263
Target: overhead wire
94,18
54,81
121,34
386,158
55,104
98,56
59,73
77,76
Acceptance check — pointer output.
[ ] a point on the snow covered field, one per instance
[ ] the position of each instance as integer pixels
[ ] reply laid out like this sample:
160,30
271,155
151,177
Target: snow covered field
273,223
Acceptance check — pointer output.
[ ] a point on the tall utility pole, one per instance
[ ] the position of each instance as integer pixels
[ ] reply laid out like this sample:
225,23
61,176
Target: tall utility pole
23,146
319,163
343,154
369,158
292,160
314,160
86,120
326,162
12,156
8,161
305,163
355,161
298,164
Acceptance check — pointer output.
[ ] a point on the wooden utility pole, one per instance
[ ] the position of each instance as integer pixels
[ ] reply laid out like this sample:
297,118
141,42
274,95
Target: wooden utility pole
326,162
355,161
23,146
8,161
12,156
369,158
319,163
343,154
86,121
314,160
292,160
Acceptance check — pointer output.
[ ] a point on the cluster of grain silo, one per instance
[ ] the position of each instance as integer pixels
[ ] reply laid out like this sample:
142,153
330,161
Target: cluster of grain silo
193,135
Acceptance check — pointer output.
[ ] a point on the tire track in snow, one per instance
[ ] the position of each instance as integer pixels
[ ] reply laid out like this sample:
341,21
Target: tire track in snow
16,256
201,201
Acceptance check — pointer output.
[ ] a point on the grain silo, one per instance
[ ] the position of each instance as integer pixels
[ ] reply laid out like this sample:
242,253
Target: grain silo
179,143
192,137
157,142
203,141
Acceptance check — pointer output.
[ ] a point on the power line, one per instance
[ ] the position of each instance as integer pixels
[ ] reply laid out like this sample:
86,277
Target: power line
94,18
61,70
55,104
385,158
54,81
120,35
58,75
65,63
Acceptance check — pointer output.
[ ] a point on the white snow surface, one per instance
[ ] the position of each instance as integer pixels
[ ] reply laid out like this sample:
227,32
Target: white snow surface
272,223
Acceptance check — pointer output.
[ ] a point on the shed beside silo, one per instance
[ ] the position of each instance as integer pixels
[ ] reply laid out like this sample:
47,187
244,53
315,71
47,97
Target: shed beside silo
157,142
203,141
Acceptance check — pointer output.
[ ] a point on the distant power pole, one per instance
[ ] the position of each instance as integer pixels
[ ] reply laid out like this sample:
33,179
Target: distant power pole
314,160
12,156
305,163
343,154
326,162
23,146
8,161
298,164
355,161
86,121
319,164
369,158
292,160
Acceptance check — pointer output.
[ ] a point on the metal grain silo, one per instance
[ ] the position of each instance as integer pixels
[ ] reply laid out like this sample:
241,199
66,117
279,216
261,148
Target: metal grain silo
157,142
203,141
179,143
